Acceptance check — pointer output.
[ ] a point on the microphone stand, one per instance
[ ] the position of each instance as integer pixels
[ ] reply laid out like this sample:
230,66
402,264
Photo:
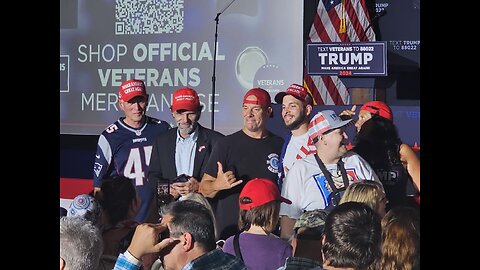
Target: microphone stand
374,19
215,63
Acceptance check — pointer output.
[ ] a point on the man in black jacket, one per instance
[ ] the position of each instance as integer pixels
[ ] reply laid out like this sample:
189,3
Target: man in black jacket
183,150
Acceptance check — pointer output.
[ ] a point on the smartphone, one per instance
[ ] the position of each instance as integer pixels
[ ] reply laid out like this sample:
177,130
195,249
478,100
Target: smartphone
182,178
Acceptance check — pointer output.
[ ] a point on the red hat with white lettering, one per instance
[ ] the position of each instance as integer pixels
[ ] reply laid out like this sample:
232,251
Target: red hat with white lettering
263,98
130,89
296,90
378,108
185,99
260,191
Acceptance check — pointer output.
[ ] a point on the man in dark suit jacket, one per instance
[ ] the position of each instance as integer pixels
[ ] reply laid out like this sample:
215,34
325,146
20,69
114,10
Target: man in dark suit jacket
184,149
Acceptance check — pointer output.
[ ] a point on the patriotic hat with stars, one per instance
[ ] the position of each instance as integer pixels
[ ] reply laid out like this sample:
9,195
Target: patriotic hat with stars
84,206
323,122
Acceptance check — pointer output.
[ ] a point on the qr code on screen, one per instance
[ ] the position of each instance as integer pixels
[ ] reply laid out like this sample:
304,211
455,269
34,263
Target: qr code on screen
148,16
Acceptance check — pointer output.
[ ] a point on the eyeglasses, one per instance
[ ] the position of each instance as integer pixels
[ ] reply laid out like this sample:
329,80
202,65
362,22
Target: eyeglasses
168,234
164,235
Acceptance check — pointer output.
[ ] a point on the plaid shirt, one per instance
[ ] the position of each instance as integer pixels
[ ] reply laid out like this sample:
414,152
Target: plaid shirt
213,260
126,261
299,263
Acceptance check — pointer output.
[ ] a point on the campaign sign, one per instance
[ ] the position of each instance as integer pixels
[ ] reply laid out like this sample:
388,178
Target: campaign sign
347,59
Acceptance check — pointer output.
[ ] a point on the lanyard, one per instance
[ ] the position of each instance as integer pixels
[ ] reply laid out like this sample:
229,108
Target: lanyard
328,175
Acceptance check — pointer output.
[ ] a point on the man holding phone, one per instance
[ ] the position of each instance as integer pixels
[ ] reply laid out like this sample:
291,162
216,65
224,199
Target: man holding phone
180,154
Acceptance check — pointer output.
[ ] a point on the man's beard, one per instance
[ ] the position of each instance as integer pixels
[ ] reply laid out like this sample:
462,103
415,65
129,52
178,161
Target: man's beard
299,121
189,130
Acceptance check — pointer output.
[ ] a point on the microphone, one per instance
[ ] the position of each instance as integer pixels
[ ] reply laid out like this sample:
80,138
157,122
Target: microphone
378,15
223,10
215,62
374,19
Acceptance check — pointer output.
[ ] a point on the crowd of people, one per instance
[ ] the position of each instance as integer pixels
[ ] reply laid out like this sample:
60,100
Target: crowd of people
248,200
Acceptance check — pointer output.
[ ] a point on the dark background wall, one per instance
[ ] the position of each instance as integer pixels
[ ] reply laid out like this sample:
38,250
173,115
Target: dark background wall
76,155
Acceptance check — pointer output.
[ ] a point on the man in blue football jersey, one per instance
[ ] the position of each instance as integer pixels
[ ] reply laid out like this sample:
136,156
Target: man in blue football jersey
124,147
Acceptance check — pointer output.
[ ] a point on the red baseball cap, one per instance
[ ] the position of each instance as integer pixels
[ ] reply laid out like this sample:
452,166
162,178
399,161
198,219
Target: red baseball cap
130,89
185,99
260,191
263,98
296,90
378,108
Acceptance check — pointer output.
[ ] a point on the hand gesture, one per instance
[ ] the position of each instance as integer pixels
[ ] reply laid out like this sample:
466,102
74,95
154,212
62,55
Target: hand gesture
145,240
225,180
350,112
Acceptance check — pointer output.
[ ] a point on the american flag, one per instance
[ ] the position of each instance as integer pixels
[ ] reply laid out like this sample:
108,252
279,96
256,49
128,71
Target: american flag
336,21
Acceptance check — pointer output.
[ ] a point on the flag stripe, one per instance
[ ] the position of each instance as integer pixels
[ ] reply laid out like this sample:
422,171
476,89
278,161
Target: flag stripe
330,90
312,88
332,22
337,11
355,32
318,32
